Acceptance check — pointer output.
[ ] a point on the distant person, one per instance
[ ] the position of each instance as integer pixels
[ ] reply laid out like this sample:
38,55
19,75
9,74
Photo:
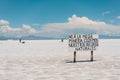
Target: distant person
20,40
62,40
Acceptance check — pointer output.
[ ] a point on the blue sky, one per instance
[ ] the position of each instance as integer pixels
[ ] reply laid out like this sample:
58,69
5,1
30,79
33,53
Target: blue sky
37,14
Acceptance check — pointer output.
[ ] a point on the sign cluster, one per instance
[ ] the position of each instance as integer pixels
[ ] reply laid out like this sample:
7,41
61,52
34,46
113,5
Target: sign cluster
83,41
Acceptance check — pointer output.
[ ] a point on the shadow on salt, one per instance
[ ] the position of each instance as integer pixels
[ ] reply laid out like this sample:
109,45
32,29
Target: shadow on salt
80,61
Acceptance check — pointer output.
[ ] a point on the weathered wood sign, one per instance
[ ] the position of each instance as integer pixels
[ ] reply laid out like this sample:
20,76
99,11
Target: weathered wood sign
83,42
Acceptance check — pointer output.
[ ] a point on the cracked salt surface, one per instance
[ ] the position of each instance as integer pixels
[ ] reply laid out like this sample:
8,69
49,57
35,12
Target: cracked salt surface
50,60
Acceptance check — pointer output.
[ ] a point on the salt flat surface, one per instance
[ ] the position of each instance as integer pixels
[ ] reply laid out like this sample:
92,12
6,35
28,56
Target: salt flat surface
51,60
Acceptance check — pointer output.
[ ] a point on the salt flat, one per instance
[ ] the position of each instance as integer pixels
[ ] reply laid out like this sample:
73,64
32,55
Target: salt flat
51,60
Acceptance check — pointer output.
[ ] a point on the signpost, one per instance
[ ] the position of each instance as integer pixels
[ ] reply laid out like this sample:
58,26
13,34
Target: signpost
83,42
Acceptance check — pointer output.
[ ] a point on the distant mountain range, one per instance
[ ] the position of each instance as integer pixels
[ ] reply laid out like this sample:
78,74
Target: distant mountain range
36,38
50,38
27,38
108,37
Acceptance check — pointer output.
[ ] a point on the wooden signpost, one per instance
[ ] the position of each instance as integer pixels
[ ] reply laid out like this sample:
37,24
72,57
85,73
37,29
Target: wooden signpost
83,42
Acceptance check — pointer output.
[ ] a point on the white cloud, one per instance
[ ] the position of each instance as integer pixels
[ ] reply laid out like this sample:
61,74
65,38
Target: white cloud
83,25
36,24
118,17
3,22
82,20
105,13
74,25
27,29
74,22
112,21
4,26
6,30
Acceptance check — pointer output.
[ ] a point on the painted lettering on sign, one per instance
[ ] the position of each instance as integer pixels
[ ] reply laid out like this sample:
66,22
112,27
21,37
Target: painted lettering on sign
83,41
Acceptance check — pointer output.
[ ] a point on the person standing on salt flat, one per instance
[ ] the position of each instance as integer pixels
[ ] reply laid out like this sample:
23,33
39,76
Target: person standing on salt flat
20,40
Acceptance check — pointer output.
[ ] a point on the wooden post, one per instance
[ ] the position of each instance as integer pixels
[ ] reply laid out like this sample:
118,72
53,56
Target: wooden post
74,60
91,55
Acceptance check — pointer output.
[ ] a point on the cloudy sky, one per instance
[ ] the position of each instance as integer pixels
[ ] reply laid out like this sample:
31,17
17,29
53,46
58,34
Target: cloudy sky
59,18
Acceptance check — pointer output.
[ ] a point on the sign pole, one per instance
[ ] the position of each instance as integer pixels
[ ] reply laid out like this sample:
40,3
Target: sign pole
91,55
74,60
